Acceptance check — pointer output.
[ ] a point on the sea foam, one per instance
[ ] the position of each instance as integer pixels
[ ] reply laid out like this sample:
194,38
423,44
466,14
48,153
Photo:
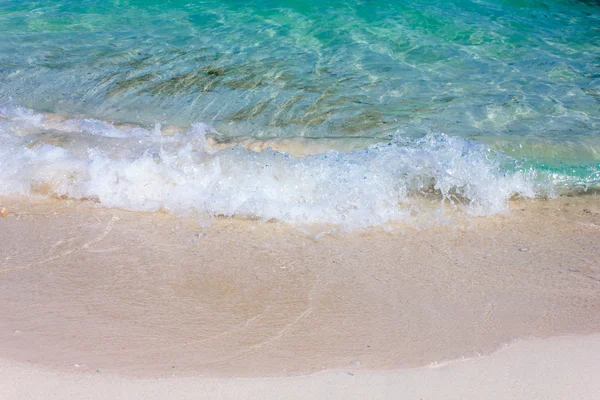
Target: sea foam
134,168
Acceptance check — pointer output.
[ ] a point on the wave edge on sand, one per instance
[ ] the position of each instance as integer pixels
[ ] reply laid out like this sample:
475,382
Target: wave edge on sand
133,168
556,368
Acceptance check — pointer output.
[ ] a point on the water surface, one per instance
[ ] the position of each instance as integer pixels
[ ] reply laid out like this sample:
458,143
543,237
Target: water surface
520,76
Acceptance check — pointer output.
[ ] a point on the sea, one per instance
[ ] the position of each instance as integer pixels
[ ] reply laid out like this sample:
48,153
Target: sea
354,113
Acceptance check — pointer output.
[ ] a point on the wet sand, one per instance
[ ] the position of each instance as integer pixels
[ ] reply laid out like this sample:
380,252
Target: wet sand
150,295
557,368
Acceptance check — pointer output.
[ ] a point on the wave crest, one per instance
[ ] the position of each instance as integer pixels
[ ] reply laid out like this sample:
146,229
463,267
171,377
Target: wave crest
138,169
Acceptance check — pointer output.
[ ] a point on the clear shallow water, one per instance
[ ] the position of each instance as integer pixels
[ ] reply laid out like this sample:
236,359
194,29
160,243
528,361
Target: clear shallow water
520,76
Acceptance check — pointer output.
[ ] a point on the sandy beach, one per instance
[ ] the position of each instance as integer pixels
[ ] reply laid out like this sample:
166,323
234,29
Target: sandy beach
156,296
300,199
559,368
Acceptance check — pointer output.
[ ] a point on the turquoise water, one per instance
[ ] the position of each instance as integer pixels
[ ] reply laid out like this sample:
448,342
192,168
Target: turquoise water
520,76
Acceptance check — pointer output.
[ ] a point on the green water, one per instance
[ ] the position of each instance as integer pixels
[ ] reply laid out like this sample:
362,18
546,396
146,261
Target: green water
311,68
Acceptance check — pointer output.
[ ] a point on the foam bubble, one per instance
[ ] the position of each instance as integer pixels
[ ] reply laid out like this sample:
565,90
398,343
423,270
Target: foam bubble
138,169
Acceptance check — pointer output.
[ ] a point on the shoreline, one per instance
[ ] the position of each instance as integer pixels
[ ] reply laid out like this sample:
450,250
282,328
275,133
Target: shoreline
556,368
300,200
140,294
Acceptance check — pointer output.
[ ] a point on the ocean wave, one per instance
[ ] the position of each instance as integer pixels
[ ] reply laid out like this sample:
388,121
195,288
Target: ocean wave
191,171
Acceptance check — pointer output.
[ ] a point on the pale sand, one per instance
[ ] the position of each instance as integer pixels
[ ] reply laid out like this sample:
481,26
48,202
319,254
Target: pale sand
85,288
559,368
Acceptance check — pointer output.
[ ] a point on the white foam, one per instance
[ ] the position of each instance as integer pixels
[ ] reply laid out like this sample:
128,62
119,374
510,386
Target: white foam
137,169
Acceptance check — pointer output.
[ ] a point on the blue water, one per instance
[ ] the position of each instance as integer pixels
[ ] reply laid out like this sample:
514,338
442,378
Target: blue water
522,77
